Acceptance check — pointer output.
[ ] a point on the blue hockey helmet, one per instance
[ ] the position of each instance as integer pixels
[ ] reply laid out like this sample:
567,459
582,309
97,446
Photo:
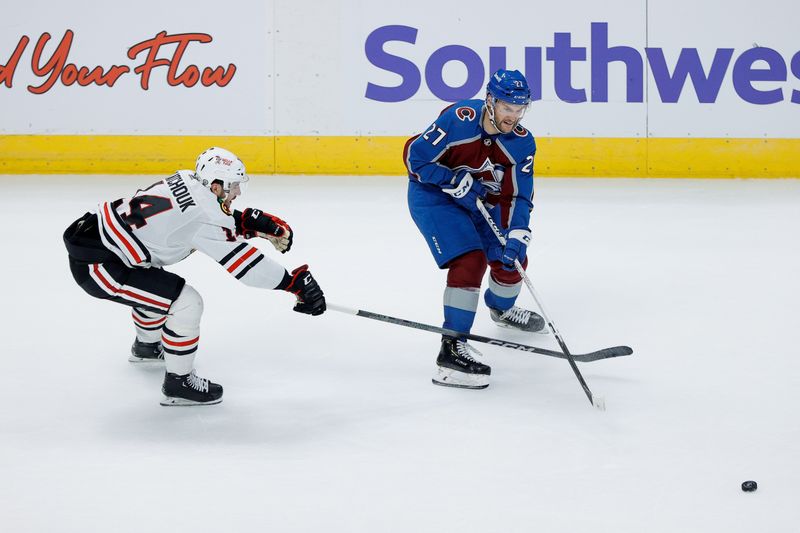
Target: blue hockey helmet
509,86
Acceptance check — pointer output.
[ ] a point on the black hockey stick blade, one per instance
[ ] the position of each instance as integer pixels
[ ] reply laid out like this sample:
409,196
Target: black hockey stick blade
605,353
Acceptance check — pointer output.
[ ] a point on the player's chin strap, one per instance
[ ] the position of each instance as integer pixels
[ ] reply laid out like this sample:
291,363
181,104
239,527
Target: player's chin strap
233,192
490,110
229,198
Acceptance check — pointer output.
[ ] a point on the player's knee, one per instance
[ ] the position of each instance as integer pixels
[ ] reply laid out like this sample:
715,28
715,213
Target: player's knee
467,270
187,309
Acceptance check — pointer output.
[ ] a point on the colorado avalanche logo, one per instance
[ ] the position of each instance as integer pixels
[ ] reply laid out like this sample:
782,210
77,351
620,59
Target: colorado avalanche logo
465,113
489,174
520,131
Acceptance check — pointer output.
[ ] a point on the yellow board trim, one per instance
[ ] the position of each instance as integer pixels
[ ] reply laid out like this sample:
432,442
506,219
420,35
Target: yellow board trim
123,154
556,156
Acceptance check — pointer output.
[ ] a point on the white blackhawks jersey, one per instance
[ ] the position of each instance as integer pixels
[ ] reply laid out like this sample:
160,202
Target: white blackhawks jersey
163,224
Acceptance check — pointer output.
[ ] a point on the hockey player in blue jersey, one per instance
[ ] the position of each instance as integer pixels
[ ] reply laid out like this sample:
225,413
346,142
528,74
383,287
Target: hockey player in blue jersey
476,149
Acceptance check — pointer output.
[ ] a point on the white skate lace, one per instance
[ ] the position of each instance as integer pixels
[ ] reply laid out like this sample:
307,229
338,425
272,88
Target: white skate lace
517,314
464,350
197,383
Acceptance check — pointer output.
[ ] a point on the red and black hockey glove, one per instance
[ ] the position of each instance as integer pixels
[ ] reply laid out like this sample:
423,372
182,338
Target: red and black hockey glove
310,298
256,223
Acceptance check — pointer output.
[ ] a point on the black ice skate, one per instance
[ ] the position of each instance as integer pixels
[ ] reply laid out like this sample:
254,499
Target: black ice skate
146,352
519,318
190,389
457,367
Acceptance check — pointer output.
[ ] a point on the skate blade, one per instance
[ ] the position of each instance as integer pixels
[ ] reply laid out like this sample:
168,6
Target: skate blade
144,360
168,401
447,377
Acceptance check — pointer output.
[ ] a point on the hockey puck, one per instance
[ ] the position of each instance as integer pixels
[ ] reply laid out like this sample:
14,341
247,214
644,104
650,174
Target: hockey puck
749,486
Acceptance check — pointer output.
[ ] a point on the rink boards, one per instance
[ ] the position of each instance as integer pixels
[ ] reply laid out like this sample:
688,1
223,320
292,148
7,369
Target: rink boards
587,157
620,88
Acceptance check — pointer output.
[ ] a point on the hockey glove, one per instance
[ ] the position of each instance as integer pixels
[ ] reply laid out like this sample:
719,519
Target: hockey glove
310,298
467,191
495,253
256,223
517,241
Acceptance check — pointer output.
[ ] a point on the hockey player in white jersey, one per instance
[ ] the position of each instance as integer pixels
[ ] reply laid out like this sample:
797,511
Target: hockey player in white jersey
118,251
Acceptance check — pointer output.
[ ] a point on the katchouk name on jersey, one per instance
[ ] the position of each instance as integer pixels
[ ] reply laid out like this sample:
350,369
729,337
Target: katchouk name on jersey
181,192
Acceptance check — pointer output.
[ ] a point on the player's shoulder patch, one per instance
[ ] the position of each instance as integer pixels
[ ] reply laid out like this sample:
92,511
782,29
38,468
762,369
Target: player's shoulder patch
519,131
465,113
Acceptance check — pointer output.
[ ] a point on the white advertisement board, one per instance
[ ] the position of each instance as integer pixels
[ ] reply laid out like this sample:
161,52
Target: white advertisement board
149,68
620,68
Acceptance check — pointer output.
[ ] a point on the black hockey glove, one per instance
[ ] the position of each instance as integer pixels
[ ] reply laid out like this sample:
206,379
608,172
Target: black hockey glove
310,298
256,223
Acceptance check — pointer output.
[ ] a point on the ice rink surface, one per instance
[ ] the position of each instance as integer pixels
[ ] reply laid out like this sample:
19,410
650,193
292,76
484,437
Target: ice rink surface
331,424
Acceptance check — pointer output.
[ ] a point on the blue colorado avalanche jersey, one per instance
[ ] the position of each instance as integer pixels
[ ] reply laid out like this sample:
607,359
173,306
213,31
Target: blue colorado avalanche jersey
502,162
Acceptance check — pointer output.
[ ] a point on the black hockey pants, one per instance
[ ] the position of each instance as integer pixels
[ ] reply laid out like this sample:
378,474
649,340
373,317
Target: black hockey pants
103,275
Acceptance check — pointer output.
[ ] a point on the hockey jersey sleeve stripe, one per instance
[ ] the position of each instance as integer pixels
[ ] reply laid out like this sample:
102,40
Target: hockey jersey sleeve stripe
246,269
232,254
122,237
239,261
108,284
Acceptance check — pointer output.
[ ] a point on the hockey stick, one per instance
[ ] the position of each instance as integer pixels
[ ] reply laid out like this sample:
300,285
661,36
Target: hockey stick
606,353
597,402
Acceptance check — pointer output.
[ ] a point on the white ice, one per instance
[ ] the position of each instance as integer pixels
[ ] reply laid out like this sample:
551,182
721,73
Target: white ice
331,424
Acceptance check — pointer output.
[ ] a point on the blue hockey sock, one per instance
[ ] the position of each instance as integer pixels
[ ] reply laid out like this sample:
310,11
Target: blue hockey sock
460,305
500,296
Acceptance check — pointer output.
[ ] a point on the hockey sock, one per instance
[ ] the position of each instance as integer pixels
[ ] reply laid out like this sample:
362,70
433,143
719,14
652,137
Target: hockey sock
180,334
460,305
462,294
148,324
504,287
